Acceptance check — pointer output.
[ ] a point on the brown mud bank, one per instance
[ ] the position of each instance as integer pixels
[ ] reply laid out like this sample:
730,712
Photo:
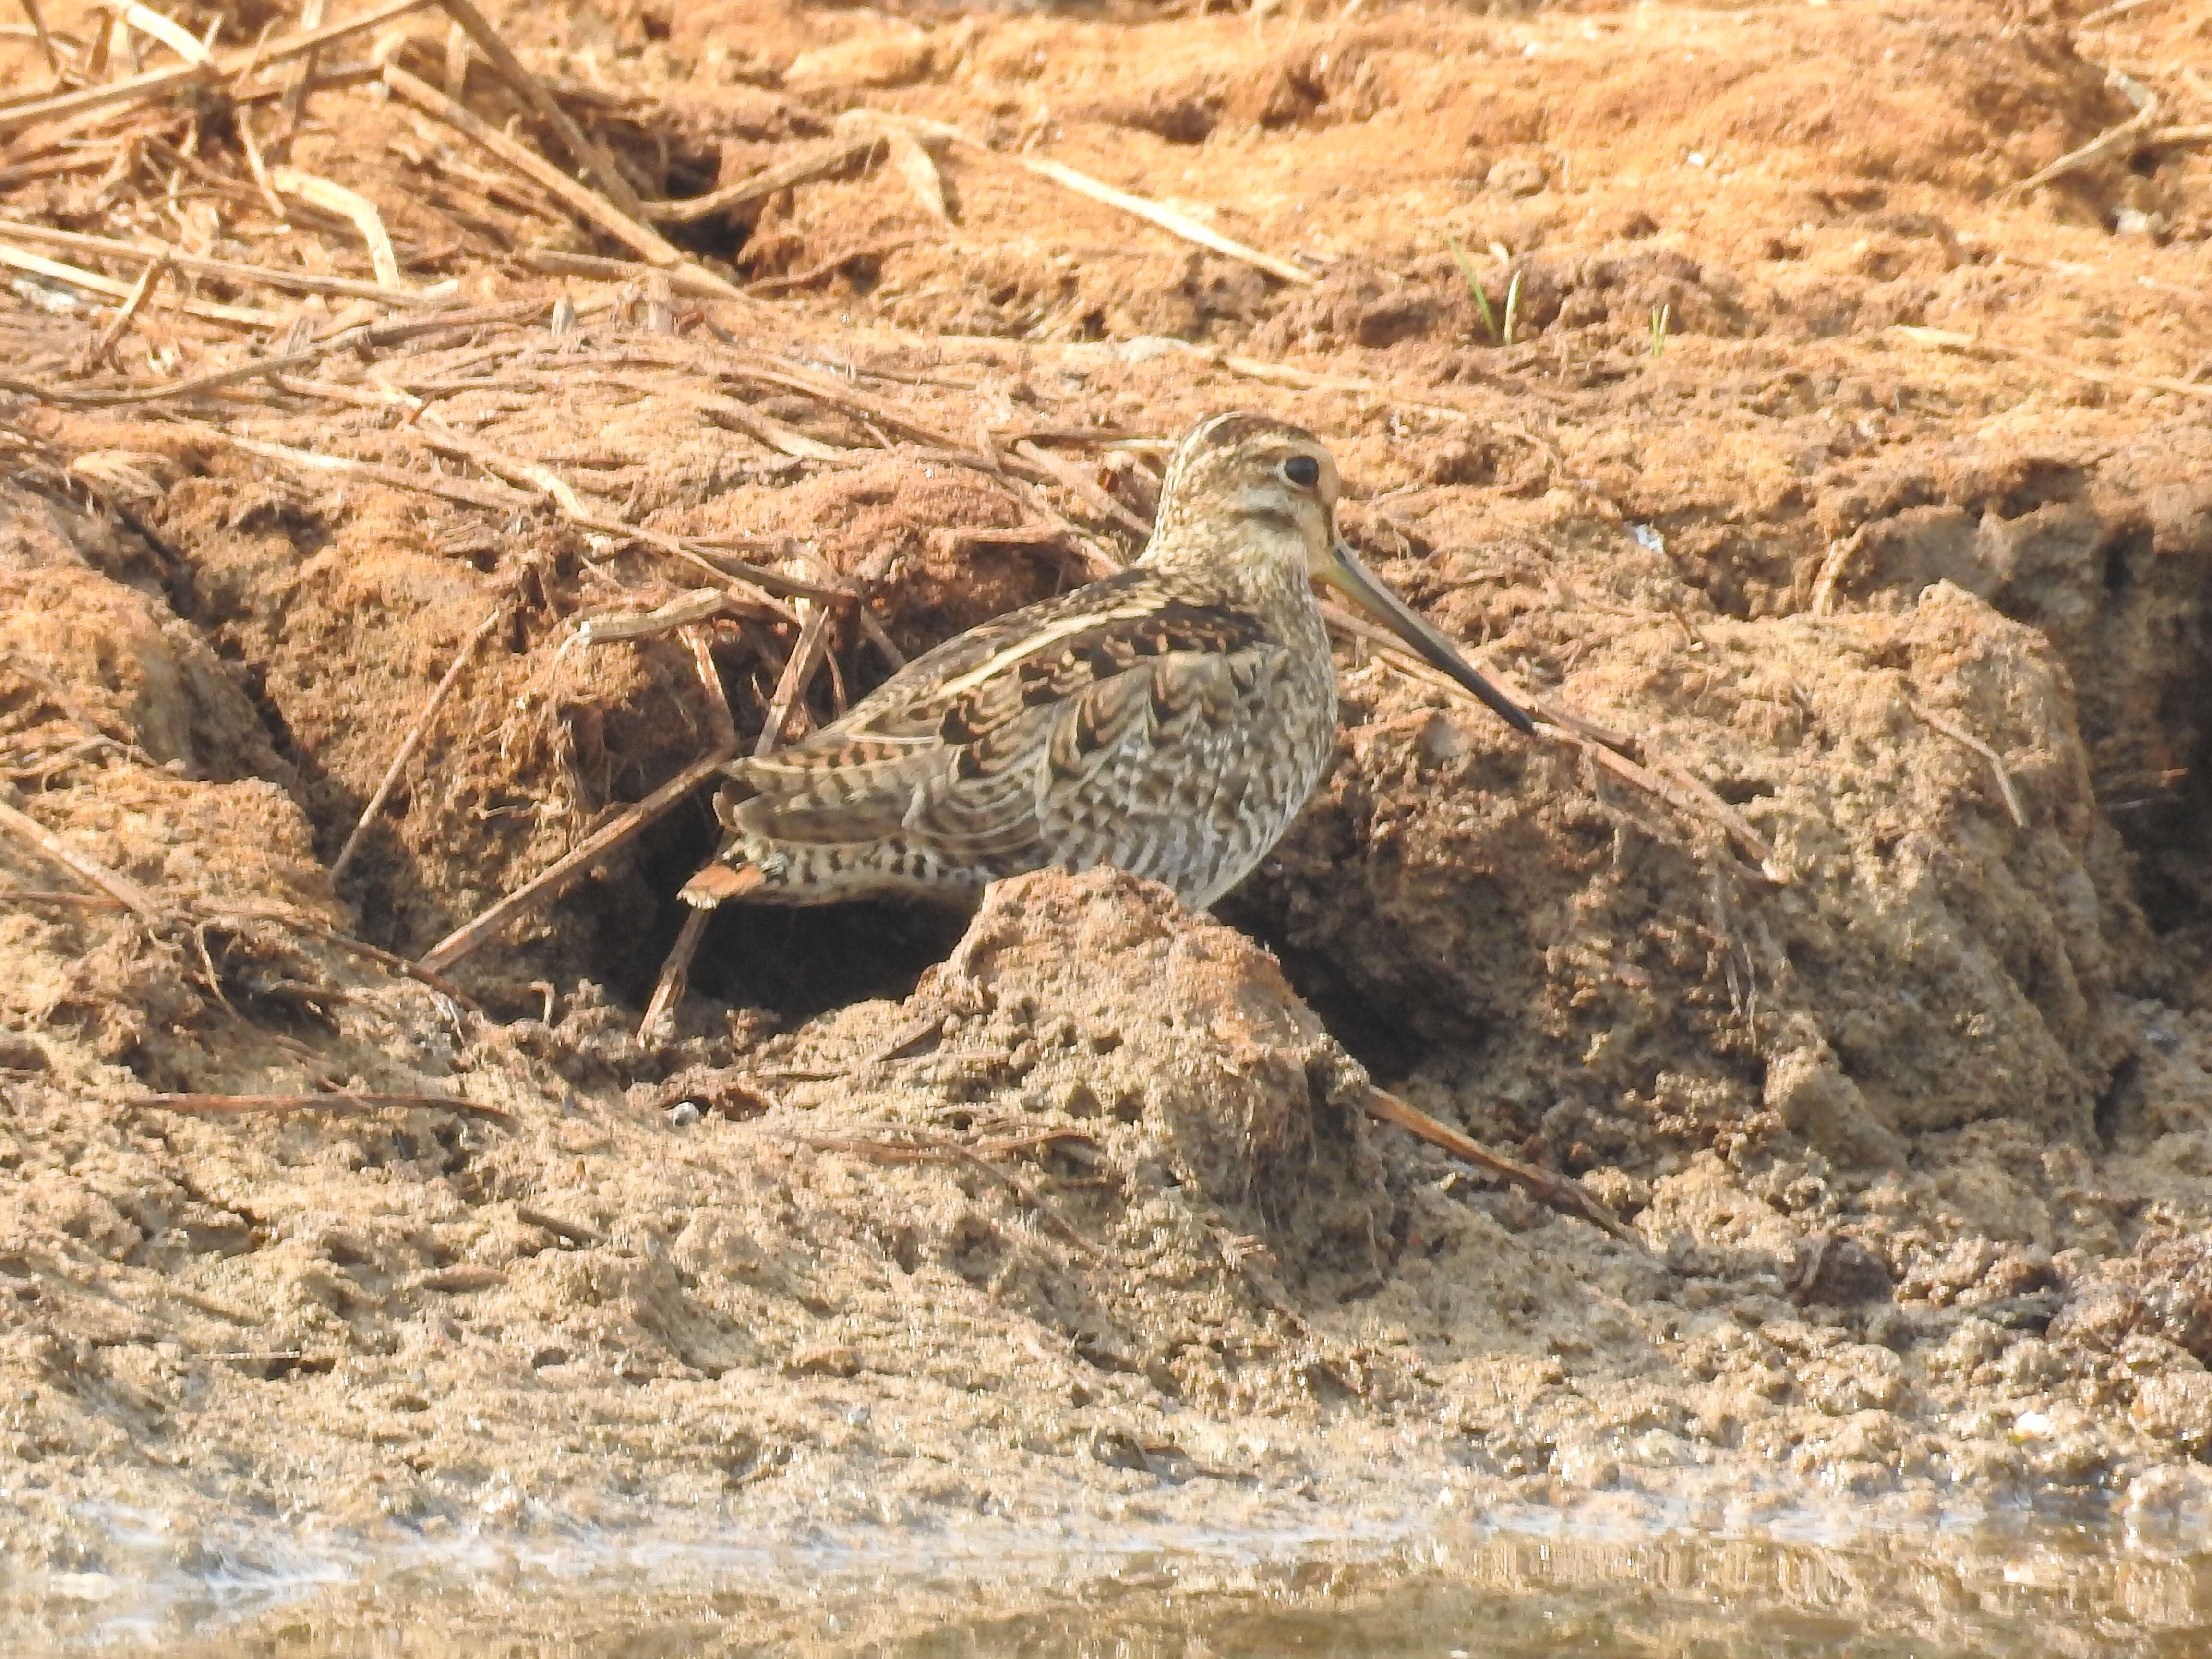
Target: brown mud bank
1868,973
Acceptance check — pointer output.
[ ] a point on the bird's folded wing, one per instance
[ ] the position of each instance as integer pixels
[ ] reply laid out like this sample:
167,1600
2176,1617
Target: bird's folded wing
965,754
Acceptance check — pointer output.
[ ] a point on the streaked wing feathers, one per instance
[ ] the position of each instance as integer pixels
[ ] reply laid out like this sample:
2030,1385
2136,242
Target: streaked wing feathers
962,747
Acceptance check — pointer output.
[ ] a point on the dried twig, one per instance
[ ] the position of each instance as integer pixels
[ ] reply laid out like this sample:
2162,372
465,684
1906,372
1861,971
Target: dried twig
806,657
413,740
93,283
675,972
818,162
1958,734
140,900
351,204
1166,218
587,154
2146,108
545,888
916,1147
1560,1193
656,251
192,265
336,1101
156,82
1946,339
105,345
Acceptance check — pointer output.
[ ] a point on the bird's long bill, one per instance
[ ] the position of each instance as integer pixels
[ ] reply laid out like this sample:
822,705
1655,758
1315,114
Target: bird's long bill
1354,580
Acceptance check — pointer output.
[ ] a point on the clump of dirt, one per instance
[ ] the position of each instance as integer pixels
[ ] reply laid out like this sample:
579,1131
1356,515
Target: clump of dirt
1866,968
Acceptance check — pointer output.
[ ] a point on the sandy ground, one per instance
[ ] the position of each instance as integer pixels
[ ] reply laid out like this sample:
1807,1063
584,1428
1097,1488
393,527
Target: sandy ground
1881,1005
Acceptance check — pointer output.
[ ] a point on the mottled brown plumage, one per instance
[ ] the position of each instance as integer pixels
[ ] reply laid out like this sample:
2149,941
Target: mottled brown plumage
1169,721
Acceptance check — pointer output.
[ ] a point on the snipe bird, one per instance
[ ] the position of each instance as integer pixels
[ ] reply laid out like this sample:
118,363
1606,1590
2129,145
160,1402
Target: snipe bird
1169,721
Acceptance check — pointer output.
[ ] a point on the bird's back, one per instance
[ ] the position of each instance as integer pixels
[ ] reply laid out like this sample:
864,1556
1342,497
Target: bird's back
1149,721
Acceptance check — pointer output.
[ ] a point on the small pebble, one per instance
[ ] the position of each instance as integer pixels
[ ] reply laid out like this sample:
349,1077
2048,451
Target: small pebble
685,1113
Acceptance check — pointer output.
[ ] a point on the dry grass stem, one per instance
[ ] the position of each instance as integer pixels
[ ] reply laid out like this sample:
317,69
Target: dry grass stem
336,1101
817,162
192,265
721,725
1567,1196
1947,340
1152,213
1958,734
301,81
348,204
413,740
104,347
496,498
1072,478
153,83
92,282
543,888
2103,144
46,47
587,154
140,900
654,248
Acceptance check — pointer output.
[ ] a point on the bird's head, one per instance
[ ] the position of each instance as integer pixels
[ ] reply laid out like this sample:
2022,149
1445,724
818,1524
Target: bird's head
1248,488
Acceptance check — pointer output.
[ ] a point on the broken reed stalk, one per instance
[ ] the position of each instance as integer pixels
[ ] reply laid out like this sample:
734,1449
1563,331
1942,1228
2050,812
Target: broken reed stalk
413,740
1567,1196
655,249
543,888
336,1101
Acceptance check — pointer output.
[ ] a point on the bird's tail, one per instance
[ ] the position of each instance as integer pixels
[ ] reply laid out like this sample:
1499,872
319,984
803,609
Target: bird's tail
720,879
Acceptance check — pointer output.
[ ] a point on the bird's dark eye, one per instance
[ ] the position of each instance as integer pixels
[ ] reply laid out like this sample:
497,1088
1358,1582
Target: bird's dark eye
1303,471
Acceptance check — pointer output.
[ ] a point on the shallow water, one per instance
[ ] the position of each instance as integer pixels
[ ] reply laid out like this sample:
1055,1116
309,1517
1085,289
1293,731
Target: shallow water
1992,1591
